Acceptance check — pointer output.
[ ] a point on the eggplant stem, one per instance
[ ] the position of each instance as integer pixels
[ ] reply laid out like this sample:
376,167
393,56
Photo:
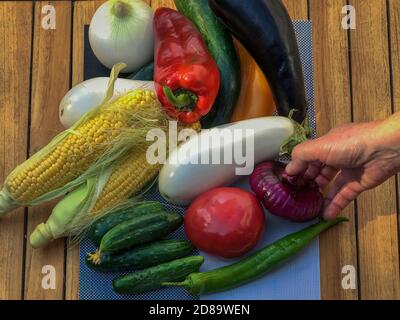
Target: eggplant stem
301,134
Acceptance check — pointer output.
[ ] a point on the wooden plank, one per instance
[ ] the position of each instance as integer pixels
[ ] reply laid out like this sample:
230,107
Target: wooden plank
332,103
377,212
333,107
394,9
297,9
15,62
162,3
50,81
83,12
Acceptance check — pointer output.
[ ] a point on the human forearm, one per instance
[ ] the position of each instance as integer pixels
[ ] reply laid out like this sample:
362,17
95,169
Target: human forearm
388,133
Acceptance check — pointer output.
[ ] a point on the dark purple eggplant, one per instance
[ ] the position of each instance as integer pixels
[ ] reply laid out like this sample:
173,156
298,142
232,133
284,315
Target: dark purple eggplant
266,30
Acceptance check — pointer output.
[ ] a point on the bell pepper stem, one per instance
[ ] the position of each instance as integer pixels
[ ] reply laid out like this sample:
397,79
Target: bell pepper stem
181,99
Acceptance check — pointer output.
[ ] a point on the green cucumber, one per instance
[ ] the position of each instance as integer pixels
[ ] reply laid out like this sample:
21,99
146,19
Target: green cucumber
139,230
154,277
220,45
102,225
141,257
146,73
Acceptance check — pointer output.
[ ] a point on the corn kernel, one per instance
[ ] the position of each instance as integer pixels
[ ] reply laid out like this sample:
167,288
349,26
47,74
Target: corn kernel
77,152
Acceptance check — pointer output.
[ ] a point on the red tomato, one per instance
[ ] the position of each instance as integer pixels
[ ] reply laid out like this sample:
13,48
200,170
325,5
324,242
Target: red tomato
226,222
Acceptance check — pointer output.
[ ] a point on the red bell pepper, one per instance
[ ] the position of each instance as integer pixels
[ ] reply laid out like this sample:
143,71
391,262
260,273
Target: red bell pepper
186,76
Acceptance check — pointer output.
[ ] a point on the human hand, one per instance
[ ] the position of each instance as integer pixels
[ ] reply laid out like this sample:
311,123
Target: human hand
360,156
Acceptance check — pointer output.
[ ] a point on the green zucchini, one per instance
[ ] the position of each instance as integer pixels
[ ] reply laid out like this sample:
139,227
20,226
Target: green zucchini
141,257
139,230
220,45
146,73
153,278
102,225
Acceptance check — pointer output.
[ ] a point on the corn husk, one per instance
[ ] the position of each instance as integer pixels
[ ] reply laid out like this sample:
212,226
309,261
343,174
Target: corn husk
142,121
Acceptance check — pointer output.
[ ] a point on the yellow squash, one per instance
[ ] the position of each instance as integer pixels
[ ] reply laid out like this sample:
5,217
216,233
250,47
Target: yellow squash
256,99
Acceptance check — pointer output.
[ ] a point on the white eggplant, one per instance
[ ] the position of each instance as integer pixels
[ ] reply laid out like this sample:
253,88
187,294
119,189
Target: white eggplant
90,93
181,180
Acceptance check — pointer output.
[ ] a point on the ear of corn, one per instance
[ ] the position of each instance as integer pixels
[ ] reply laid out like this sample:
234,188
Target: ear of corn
130,177
113,189
66,210
101,137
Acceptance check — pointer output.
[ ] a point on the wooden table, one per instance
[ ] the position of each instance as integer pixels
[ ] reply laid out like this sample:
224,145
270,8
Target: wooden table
357,78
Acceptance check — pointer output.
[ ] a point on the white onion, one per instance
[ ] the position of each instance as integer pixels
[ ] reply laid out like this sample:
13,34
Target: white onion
122,31
90,93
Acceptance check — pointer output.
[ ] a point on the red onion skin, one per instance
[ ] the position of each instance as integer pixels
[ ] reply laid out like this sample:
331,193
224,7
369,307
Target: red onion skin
292,198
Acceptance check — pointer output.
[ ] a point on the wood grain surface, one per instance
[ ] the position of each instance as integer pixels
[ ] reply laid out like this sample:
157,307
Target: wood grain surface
394,34
338,246
394,27
297,9
15,63
377,209
357,77
50,81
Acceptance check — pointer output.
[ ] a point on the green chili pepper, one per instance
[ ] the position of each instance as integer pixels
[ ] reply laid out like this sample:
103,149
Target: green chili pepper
254,266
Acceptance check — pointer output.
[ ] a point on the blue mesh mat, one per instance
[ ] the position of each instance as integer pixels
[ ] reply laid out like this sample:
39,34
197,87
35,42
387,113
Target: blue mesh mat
296,279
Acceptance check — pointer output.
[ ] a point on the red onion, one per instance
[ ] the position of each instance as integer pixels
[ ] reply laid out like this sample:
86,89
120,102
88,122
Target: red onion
293,198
